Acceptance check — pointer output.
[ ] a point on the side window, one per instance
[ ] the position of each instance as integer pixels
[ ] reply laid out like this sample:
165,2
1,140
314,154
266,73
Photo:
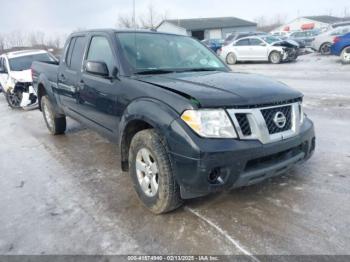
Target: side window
255,42
69,51
76,59
100,50
243,42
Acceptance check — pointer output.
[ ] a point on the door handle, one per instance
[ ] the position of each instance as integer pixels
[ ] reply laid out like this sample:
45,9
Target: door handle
62,77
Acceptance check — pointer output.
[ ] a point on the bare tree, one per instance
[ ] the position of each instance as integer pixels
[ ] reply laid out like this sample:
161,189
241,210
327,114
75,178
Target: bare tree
152,18
2,43
15,39
125,21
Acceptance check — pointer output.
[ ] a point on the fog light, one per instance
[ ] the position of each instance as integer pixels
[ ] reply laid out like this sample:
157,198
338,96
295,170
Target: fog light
215,177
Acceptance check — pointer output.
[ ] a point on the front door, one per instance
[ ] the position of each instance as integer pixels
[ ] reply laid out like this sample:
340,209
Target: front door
97,94
258,49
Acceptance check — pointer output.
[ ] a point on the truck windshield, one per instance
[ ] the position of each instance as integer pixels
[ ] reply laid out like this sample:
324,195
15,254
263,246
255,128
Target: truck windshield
25,62
162,53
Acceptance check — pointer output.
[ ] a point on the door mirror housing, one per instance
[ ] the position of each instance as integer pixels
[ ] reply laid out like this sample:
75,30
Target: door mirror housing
262,44
97,68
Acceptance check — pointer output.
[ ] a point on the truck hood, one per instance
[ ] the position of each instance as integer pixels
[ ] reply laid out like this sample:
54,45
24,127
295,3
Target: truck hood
224,89
22,76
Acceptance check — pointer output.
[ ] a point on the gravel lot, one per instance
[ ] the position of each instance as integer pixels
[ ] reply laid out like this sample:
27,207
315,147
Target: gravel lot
67,194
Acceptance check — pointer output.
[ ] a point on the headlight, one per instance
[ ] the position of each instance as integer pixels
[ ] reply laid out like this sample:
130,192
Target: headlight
301,113
211,123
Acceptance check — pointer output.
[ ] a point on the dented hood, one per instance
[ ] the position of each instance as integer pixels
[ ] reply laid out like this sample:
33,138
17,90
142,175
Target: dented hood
22,76
224,89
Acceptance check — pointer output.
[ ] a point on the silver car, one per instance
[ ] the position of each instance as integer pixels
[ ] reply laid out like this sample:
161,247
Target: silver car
323,42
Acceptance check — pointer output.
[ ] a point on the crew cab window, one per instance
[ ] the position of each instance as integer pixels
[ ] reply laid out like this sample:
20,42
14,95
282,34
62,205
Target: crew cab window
255,41
76,53
100,50
243,42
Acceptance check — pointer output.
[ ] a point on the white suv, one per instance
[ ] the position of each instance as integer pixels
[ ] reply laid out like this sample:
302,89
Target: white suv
324,41
16,78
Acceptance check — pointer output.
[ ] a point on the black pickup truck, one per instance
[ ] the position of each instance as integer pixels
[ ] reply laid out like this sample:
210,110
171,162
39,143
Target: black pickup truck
185,124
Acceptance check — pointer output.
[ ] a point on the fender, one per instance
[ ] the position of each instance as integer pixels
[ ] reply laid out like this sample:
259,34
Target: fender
155,113
49,88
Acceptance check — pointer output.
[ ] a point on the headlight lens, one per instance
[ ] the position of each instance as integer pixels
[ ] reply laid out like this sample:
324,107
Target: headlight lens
210,123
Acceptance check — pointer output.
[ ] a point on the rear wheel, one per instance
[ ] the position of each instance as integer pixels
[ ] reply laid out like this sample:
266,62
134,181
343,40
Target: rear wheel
345,55
14,98
275,57
54,122
231,59
325,49
151,173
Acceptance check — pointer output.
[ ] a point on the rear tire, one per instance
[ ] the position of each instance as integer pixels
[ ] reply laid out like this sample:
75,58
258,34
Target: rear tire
14,99
345,56
151,172
275,57
231,59
56,124
325,49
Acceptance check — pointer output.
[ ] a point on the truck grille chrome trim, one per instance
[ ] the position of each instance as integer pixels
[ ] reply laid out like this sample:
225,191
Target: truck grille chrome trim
267,124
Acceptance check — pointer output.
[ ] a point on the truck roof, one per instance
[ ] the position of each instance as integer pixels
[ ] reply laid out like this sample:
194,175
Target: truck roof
111,30
24,53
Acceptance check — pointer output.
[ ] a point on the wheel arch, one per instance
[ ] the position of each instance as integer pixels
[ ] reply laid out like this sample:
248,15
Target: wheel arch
140,115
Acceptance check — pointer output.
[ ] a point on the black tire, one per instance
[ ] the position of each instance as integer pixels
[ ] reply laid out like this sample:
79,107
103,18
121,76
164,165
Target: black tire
14,99
167,196
325,49
275,57
55,123
231,59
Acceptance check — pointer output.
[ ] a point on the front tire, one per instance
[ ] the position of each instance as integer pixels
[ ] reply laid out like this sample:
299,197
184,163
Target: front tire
325,49
14,99
275,57
55,123
151,172
345,56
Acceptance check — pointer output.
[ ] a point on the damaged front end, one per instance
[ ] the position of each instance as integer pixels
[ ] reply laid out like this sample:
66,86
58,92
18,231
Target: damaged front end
21,95
291,50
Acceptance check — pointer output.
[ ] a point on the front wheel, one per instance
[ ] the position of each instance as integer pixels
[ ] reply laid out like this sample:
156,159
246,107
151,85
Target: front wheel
55,123
14,98
345,55
151,172
275,57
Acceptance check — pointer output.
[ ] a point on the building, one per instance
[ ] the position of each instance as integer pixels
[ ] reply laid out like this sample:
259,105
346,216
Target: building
321,22
206,28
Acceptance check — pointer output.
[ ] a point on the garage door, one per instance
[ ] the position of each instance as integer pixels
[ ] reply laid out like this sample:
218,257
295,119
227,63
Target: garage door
215,34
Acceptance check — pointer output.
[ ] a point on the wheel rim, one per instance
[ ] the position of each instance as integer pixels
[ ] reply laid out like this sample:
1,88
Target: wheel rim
326,49
147,172
231,59
48,116
275,58
14,98
346,55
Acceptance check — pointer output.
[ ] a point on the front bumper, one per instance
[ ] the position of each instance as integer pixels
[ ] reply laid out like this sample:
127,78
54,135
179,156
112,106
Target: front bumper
227,164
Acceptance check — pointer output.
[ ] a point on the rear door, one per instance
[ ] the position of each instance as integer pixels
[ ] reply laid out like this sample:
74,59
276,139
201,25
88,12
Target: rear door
69,74
242,48
97,94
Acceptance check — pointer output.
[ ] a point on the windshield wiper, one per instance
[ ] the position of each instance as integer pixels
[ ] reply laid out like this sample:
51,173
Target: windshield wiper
199,69
154,71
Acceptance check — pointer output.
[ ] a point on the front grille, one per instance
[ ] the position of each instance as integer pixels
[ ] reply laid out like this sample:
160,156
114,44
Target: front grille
269,115
244,124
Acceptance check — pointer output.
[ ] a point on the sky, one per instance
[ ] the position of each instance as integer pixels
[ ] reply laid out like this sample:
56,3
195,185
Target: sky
64,16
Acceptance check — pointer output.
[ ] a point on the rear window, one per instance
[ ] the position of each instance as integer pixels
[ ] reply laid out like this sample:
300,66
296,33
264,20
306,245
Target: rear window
76,53
25,62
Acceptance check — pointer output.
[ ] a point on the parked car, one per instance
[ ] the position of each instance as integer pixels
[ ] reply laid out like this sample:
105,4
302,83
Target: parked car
304,38
324,41
341,47
214,44
238,35
259,48
281,34
340,24
186,125
16,78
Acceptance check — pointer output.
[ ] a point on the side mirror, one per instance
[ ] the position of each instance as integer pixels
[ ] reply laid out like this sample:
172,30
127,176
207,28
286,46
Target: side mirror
262,44
97,68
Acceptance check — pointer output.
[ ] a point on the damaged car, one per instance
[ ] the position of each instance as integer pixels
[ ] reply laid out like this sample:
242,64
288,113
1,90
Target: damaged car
16,78
260,48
